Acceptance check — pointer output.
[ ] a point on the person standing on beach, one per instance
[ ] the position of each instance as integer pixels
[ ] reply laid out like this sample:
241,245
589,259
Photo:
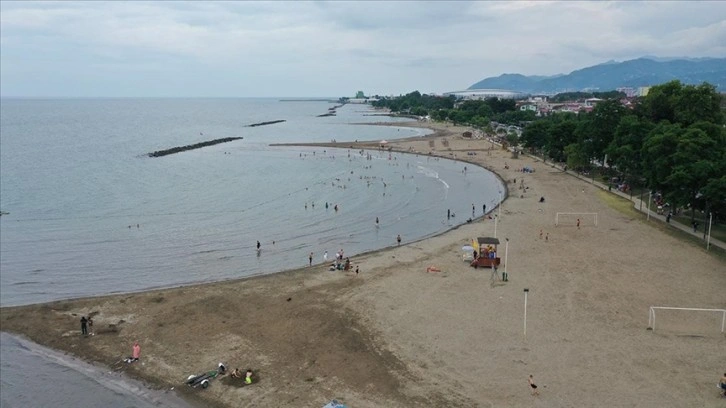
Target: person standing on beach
325,256
84,326
448,214
398,239
532,385
483,209
90,325
473,211
311,259
135,353
578,223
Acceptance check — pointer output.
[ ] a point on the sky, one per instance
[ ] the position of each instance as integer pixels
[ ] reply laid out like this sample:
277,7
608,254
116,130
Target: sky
329,49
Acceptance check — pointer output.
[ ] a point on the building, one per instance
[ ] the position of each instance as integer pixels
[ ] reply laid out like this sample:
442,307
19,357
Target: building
487,93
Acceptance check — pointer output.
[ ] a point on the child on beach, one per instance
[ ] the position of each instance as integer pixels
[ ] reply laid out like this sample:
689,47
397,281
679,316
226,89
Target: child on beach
533,385
135,353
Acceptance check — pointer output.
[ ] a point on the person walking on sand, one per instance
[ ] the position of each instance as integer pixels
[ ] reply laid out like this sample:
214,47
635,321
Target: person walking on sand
532,385
84,326
90,325
325,256
547,237
398,239
722,385
540,234
310,258
578,223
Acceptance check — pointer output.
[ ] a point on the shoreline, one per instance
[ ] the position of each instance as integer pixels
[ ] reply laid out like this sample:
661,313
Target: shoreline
373,340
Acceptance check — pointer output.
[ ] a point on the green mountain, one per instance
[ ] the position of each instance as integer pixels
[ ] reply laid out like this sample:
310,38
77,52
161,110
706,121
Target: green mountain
646,71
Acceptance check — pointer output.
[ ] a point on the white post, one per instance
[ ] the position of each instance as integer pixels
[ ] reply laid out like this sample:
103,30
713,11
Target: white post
723,322
495,226
708,239
506,255
500,203
526,291
648,218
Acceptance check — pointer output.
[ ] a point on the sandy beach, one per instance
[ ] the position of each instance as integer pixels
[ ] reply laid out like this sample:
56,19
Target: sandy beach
397,335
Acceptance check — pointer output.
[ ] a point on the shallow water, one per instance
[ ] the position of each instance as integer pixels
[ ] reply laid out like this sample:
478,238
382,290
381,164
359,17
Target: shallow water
34,376
90,214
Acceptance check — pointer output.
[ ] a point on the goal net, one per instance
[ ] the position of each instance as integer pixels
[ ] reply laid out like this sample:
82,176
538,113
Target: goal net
570,219
687,319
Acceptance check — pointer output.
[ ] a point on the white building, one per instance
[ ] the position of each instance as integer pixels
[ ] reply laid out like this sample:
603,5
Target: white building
487,93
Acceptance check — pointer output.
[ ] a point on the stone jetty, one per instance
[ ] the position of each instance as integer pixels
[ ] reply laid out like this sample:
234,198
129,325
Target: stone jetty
272,122
179,149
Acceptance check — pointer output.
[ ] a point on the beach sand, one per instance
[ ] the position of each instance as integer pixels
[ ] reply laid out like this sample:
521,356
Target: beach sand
399,336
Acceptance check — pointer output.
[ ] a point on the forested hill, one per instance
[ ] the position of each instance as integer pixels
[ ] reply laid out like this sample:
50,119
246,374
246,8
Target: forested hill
612,75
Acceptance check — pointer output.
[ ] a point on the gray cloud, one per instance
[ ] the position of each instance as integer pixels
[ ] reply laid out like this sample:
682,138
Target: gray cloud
330,48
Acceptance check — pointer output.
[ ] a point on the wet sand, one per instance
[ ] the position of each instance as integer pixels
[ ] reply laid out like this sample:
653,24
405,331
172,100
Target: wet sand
399,336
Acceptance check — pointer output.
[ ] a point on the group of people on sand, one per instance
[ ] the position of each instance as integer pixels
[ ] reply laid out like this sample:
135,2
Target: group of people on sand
86,325
237,373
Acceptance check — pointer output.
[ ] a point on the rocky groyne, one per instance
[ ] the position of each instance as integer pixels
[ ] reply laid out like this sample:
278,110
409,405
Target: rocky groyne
272,122
180,149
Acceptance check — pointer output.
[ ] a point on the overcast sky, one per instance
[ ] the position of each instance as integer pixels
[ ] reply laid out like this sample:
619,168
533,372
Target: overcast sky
300,49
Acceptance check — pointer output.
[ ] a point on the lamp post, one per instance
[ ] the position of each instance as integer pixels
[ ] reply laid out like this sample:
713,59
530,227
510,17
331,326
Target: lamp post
649,200
500,203
505,277
708,240
526,291
496,219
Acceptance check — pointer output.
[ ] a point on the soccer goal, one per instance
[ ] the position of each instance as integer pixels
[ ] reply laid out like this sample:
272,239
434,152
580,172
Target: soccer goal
687,319
570,219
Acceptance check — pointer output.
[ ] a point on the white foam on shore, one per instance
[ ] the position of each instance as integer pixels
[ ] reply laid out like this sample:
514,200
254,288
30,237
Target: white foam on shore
113,381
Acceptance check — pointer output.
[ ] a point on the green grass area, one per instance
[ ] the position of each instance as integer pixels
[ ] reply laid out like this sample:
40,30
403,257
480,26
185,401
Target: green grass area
718,231
626,207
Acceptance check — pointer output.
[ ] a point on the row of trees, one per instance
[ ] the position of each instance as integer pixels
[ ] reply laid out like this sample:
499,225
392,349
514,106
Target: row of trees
476,113
672,141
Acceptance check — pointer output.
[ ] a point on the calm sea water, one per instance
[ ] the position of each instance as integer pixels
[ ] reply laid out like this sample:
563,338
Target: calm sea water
90,214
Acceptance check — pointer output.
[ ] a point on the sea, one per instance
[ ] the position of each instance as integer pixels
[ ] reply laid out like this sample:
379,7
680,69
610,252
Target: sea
87,212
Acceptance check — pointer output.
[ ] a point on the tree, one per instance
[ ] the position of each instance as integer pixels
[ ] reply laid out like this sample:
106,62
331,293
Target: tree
535,134
604,120
624,150
560,135
684,162
697,103
576,156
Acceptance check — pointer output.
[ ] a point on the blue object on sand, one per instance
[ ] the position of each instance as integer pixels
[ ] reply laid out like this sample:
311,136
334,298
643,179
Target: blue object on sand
334,404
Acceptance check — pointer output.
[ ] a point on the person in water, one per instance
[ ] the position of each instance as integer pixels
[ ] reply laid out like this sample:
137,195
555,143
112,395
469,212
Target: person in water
258,245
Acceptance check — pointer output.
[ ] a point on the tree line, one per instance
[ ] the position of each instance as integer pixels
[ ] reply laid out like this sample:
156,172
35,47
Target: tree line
476,113
672,141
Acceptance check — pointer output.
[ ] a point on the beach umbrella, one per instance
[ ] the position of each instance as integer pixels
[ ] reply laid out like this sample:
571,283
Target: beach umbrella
467,248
